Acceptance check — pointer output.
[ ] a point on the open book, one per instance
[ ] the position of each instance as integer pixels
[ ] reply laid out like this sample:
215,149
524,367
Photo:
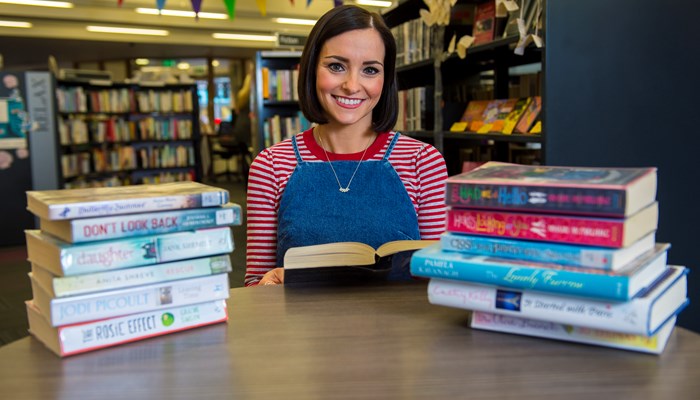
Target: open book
349,262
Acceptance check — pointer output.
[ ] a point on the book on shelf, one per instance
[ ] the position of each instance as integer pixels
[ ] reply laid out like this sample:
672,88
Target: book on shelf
484,22
102,201
644,314
60,311
64,259
515,114
93,335
489,117
473,115
569,333
141,224
62,286
527,120
505,108
621,285
613,192
338,261
557,228
558,253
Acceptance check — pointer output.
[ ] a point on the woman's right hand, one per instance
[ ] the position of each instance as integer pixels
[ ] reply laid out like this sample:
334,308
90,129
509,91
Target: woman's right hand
273,277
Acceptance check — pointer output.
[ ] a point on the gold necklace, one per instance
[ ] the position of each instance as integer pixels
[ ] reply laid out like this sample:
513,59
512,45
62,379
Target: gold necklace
340,187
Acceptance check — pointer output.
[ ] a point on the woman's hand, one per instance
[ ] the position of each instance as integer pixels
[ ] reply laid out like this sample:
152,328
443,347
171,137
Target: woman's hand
273,277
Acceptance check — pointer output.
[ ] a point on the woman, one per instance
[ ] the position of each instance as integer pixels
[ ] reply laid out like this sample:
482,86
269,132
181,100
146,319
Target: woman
349,178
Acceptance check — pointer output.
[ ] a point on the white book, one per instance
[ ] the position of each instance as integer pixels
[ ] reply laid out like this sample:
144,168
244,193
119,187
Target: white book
552,330
643,315
88,336
113,303
62,286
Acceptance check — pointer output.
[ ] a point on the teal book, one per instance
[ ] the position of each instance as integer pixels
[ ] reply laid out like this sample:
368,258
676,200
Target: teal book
65,259
132,225
102,201
622,285
549,252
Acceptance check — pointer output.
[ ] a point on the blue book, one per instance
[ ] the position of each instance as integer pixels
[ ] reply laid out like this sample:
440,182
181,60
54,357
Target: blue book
557,253
141,224
622,285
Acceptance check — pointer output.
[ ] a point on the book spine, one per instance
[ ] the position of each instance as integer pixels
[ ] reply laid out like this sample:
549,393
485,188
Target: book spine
70,310
75,339
515,275
551,228
626,317
569,333
604,202
131,225
137,205
145,250
577,256
121,278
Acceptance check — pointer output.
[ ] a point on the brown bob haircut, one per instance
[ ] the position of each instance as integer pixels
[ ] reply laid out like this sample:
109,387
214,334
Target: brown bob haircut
337,21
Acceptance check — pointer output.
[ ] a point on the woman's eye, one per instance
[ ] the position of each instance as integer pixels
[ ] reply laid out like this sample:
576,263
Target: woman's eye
371,71
335,67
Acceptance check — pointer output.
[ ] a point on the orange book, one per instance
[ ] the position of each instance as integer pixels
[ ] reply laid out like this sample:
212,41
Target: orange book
489,116
504,110
529,116
473,114
265,82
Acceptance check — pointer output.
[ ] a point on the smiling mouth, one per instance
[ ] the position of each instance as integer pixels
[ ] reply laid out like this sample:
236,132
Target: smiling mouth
347,102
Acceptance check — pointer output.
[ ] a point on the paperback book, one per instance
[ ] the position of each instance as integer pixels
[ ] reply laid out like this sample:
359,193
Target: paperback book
151,223
62,286
89,336
348,261
643,315
622,285
557,253
113,303
572,229
64,259
569,333
610,192
102,201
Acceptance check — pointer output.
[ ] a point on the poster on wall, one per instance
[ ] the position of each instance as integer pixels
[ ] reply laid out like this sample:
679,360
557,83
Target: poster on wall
14,120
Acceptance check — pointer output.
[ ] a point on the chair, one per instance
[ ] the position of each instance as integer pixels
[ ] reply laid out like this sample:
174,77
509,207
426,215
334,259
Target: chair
232,141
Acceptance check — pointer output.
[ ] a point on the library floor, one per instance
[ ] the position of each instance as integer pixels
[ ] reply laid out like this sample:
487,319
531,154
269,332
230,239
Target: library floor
15,287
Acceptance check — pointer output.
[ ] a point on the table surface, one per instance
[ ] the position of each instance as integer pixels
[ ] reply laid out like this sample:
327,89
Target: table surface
369,342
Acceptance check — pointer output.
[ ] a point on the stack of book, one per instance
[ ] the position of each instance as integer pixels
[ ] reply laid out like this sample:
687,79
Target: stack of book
121,264
566,253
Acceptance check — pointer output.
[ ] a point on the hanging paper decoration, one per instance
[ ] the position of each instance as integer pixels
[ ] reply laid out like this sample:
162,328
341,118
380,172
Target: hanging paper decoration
196,7
160,5
262,5
230,8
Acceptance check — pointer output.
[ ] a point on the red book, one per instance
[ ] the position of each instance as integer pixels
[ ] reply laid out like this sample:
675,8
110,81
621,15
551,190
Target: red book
583,230
484,22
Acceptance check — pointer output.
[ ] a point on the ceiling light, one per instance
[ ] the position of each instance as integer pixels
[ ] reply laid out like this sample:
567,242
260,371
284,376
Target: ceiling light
40,3
245,36
373,3
142,61
183,66
128,31
180,13
215,63
295,21
15,24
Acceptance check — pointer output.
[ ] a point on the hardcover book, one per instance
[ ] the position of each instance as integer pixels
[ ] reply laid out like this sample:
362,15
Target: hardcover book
568,333
614,192
63,259
573,229
347,261
516,113
489,116
505,108
622,285
484,22
643,315
62,286
557,253
89,336
530,115
102,201
132,225
473,114
113,303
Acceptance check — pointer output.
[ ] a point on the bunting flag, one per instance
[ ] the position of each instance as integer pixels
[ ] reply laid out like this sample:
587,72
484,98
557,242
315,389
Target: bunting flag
160,5
196,7
230,8
262,5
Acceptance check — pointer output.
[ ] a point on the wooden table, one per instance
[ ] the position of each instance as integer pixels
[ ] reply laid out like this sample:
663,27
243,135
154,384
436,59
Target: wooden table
371,342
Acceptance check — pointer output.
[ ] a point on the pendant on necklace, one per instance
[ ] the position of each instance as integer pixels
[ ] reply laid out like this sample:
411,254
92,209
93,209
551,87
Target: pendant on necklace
344,190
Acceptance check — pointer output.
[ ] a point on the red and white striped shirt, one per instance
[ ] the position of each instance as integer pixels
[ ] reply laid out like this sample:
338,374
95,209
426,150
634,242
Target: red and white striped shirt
420,167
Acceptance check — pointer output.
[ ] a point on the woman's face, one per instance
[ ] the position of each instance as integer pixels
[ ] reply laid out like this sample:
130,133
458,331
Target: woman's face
350,76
